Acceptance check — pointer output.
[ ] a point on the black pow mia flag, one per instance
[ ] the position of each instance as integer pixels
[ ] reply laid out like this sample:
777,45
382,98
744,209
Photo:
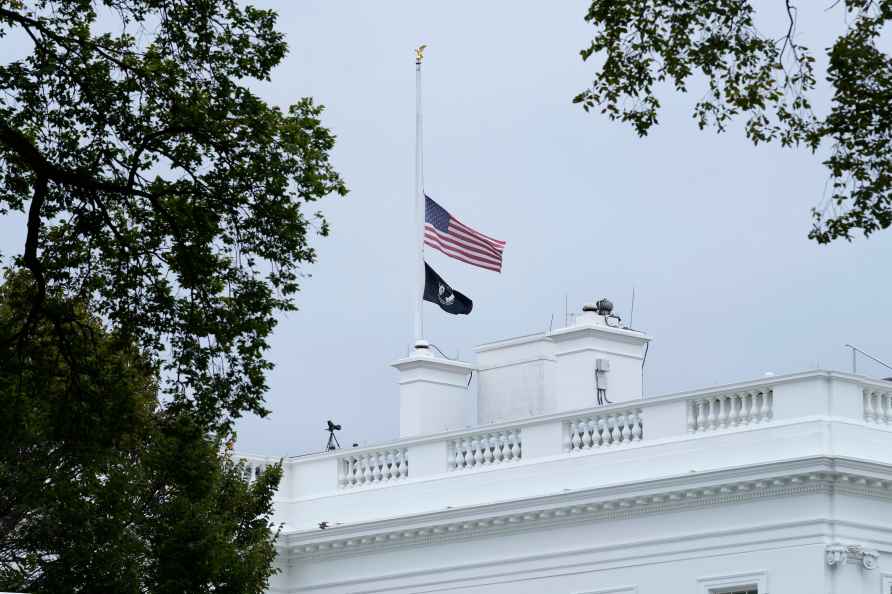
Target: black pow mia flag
437,291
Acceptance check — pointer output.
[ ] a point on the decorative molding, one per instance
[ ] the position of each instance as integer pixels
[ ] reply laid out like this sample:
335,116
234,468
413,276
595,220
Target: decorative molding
835,554
496,519
838,554
722,583
617,590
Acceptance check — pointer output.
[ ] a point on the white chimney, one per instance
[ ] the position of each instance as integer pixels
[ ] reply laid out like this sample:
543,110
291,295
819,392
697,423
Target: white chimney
597,360
433,392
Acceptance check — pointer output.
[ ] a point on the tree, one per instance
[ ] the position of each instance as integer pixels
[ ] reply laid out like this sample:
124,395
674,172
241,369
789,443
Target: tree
158,190
164,208
104,490
766,80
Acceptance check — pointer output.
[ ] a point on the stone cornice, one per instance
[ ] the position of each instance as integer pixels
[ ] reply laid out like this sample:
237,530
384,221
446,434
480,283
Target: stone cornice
812,475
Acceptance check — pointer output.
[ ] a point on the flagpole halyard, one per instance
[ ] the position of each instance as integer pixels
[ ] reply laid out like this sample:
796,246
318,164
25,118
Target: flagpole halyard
419,204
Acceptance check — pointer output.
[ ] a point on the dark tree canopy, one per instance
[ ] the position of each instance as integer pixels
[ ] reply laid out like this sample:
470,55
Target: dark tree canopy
157,189
102,489
765,79
164,208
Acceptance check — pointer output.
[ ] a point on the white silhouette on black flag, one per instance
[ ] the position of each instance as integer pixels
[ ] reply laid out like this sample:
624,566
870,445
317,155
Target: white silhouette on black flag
436,290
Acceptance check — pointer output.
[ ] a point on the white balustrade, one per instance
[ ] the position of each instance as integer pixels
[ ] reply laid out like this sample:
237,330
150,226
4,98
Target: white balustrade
878,406
597,430
604,430
723,411
373,467
484,449
253,468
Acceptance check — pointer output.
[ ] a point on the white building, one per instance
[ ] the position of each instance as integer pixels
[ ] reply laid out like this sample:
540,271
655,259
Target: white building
781,485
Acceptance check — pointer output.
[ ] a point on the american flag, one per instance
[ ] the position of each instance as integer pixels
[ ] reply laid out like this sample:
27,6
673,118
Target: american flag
444,232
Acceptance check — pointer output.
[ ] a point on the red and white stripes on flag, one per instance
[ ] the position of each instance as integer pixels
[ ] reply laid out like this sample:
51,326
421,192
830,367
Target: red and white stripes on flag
444,232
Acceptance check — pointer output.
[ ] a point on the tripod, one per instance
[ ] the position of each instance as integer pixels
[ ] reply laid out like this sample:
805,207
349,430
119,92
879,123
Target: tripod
333,443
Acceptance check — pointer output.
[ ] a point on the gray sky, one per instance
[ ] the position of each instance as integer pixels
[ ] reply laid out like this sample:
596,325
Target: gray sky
710,230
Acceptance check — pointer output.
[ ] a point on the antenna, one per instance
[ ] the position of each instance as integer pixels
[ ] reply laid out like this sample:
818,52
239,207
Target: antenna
868,355
566,313
632,310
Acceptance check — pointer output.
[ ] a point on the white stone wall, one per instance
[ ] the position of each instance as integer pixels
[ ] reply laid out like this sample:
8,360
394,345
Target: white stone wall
779,542
785,482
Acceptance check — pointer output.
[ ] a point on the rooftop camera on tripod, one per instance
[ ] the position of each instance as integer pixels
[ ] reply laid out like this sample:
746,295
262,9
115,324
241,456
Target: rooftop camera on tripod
333,443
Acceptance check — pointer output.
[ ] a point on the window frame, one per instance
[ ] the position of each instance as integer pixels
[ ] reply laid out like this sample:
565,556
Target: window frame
887,583
722,584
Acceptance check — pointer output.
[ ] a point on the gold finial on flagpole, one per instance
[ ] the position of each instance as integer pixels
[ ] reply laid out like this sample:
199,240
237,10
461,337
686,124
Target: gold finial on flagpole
419,53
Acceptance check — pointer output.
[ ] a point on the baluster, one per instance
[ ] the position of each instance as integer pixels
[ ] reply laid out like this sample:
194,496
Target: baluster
746,404
701,415
487,449
469,453
586,433
626,432
505,446
575,441
754,407
726,405
366,471
769,397
404,463
602,433
736,403
714,413
459,455
515,445
615,434
636,427
884,399
389,468
477,446
875,397
758,404
866,405
692,415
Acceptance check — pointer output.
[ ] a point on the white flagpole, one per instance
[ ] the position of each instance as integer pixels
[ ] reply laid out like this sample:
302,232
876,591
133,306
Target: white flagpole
419,205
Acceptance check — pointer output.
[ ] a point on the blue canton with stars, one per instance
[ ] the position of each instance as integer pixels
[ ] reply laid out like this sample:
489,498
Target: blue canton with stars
436,215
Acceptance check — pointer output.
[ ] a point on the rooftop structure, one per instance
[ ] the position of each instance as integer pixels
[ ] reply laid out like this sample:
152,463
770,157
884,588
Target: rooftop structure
573,482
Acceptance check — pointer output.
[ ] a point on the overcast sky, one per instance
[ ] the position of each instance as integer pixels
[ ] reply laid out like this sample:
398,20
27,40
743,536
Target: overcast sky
709,230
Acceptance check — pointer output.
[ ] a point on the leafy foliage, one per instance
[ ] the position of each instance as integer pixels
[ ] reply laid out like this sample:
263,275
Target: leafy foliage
164,204
103,490
766,80
161,192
